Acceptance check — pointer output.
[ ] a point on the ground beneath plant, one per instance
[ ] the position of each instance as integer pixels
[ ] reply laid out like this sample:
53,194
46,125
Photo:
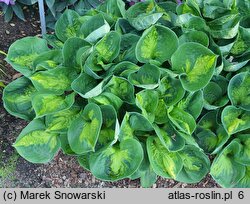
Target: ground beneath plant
63,171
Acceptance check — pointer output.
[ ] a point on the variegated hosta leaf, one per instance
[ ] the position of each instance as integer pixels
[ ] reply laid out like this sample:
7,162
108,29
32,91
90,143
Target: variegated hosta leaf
45,103
170,90
94,28
143,14
86,86
182,120
112,8
48,60
239,90
192,103
194,36
107,98
68,25
146,77
107,132
134,124
210,135
196,165
225,27
108,48
244,154
125,68
118,161
54,81
37,145
169,137
147,101
122,88
242,42
195,64
84,131
23,52
70,49
225,170
164,163
235,119
157,44
17,98
60,122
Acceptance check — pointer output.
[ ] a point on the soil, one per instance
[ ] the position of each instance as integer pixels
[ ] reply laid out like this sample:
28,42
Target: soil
63,171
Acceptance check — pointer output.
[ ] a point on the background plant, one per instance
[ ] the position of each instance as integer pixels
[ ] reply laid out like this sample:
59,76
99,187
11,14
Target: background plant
53,11
139,93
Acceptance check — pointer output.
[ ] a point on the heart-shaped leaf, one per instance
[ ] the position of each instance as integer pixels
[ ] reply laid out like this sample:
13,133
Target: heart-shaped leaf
17,98
108,47
84,131
195,64
195,165
157,44
239,90
68,25
225,170
35,144
164,163
192,103
235,119
147,77
118,161
170,90
182,120
122,88
23,52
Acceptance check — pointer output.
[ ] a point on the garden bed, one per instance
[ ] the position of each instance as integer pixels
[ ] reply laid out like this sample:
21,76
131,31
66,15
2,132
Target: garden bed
63,171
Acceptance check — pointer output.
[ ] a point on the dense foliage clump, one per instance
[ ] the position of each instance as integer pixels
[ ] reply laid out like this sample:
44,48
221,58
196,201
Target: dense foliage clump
152,90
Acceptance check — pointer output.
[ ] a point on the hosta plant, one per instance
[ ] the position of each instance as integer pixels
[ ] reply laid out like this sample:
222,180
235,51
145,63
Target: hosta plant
155,90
